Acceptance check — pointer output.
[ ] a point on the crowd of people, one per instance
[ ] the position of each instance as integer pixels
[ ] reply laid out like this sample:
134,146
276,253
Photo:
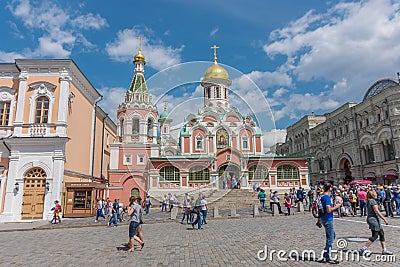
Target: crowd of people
353,197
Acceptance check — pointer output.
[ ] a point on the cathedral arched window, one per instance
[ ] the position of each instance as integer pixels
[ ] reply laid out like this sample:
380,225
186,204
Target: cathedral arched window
42,109
258,172
121,127
149,127
199,173
170,174
288,172
199,142
135,126
245,142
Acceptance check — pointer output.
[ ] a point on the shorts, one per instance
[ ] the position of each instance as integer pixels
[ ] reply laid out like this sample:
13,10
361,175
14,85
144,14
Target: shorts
132,229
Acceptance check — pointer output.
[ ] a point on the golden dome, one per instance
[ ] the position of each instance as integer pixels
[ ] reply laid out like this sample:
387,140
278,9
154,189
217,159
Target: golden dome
216,72
139,56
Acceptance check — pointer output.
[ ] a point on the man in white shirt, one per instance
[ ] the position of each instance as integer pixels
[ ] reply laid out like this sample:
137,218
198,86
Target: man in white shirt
204,208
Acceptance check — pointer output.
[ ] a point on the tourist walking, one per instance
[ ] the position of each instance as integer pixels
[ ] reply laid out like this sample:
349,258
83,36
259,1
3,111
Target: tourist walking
204,209
56,212
387,202
327,221
310,195
99,212
353,201
362,198
288,202
397,199
262,197
275,199
185,207
374,223
164,204
197,211
134,210
114,213
148,204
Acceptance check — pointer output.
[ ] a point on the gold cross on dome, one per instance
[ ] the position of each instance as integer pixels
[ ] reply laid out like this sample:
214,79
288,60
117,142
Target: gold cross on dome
215,52
139,43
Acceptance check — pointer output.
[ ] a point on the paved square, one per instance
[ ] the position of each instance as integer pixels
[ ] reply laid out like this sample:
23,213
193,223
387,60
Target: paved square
224,242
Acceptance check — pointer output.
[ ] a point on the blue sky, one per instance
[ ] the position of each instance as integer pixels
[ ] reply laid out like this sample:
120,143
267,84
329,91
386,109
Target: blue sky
303,56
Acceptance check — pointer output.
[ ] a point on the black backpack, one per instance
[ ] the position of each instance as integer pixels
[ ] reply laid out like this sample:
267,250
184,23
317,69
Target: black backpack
317,208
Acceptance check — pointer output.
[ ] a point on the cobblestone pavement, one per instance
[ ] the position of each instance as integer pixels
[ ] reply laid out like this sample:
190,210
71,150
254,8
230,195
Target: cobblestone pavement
223,242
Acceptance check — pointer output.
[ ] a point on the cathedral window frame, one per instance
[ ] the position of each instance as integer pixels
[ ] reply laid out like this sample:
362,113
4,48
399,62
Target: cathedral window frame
127,159
42,89
135,122
169,174
140,159
245,140
199,142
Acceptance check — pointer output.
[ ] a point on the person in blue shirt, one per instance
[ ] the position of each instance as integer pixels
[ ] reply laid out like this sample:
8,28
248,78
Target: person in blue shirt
327,222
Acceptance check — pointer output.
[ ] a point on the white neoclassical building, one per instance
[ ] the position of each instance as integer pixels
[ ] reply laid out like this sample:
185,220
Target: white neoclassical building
355,141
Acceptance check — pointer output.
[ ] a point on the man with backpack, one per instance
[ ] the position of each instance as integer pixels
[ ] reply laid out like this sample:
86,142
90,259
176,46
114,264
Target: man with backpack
310,195
327,222
387,202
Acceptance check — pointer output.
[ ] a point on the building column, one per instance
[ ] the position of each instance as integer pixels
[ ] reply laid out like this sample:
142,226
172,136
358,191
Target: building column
13,198
20,103
61,124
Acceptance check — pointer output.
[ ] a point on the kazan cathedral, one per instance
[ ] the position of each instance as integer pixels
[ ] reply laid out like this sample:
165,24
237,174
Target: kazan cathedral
215,148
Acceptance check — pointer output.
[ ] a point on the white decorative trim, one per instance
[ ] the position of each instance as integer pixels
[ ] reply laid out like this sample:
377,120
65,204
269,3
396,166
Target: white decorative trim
127,159
7,95
41,89
138,159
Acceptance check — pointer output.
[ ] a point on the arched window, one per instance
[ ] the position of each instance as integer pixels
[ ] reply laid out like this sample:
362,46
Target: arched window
245,142
258,172
170,174
199,142
121,127
4,113
42,110
288,172
135,126
149,127
199,173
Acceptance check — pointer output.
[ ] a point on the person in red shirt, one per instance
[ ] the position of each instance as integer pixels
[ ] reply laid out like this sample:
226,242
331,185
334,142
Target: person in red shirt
362,198
56,212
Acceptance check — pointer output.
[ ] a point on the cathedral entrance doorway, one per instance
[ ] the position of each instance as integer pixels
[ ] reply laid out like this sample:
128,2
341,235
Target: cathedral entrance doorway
228,174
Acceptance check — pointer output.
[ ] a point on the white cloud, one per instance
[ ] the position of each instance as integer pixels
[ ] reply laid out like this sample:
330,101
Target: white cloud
214,31
9,57
57,30
299,103
351,45
113,97
158,56
272,137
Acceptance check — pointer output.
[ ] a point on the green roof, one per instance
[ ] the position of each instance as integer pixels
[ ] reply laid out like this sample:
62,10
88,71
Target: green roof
164,115
138,83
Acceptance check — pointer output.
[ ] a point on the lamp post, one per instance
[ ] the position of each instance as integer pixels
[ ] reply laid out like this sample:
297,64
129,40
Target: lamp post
359,145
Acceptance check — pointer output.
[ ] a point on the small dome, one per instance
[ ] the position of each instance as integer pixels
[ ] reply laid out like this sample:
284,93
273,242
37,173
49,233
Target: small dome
164,115
139,56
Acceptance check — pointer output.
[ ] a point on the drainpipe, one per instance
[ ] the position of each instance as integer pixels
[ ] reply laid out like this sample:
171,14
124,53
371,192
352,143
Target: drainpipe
94,135
359,146
102,146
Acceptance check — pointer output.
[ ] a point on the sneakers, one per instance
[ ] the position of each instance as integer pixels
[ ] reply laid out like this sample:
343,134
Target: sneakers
387,252
319,225
108,224
96,221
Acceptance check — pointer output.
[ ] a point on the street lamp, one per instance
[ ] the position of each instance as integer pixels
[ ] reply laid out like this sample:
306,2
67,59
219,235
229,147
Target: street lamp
359,145
16,188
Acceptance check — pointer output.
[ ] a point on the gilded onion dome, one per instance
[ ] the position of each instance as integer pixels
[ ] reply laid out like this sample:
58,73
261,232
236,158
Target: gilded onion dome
216,73
139,56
